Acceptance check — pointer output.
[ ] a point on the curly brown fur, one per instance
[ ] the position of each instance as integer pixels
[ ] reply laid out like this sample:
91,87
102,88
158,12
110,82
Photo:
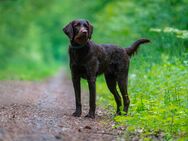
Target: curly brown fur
88,60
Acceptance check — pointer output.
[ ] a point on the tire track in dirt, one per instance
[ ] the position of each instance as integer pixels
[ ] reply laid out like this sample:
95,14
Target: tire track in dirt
42,111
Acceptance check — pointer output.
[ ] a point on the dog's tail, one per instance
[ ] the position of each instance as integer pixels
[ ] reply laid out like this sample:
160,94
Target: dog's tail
134,47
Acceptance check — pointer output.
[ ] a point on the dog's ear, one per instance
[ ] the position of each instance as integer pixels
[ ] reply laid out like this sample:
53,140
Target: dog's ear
68,30
90,30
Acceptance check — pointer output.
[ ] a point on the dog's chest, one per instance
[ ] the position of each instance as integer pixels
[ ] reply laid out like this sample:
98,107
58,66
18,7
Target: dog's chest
78,60
92,62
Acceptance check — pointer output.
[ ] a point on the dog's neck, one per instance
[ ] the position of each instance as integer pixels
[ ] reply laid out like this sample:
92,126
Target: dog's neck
78,46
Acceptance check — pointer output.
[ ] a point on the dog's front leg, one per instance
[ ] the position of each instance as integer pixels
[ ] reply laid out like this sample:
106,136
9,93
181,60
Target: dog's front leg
92,96
77,91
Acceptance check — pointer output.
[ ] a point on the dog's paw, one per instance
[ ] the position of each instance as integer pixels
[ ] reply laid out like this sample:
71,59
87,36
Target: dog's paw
77,114
90,116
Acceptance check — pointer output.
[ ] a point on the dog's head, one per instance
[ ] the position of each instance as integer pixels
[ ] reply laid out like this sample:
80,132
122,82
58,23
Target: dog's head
79,31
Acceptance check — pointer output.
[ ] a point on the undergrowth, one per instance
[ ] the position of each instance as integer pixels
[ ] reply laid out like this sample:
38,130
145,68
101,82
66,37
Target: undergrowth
159,101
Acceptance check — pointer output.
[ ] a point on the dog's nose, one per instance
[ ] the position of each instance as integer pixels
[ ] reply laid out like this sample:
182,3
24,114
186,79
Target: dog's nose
83,30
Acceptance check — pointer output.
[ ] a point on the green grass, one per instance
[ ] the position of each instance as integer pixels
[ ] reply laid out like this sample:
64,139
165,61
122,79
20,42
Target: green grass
159,101
28,71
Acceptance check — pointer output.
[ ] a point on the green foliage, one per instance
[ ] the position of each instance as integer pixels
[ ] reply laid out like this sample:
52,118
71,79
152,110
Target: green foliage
30,42
159,102
179,33
122,22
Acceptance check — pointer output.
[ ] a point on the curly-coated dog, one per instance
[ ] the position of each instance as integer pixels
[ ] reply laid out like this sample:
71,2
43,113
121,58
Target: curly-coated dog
88,60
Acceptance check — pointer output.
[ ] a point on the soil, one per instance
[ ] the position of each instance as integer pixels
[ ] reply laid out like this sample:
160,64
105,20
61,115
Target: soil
42,111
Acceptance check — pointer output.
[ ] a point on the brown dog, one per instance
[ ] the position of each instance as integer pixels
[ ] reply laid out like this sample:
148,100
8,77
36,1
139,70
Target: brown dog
88,60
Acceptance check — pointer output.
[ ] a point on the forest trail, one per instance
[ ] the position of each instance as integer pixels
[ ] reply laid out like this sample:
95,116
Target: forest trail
42,111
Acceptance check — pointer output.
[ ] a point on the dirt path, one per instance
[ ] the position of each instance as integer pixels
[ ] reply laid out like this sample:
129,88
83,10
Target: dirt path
41,111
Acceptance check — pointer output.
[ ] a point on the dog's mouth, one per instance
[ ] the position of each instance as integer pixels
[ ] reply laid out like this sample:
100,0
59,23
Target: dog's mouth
81,38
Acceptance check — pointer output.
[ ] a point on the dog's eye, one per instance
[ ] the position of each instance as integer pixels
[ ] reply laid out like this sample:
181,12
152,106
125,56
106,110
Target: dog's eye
77,24
85,25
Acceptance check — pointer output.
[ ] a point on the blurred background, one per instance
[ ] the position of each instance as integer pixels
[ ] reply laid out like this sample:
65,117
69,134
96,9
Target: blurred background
33,46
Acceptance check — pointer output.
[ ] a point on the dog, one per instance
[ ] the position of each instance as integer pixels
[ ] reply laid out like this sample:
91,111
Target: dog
88,60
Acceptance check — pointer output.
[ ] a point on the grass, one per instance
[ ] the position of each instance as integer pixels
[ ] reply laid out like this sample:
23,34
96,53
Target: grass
28,71
159,101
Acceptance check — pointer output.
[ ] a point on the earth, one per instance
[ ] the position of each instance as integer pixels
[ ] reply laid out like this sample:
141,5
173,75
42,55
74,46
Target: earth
42,111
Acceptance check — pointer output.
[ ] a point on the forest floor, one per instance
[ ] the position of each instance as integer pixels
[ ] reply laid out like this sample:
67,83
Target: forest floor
42,111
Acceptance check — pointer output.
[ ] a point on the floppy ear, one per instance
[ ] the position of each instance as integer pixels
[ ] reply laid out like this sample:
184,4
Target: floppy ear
68,30
90,30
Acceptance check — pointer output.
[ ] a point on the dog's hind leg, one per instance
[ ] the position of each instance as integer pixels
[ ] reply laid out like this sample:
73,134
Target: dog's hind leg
111,83
122,82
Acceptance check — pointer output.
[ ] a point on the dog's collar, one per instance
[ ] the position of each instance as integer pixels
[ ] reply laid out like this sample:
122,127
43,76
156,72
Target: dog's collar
77,46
